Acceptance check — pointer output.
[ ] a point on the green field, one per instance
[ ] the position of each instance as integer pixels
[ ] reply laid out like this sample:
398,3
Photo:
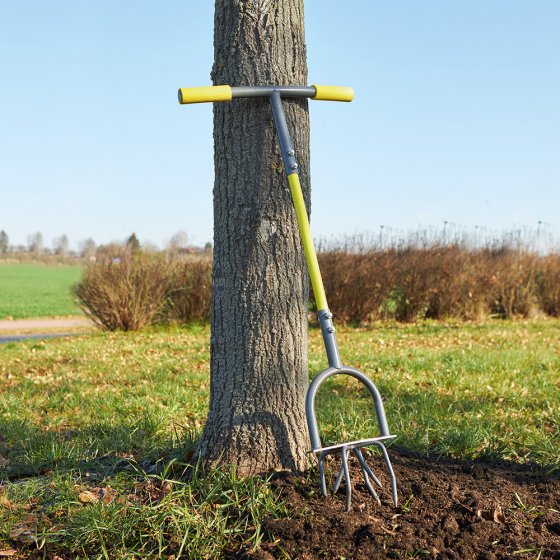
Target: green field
117,414
35,290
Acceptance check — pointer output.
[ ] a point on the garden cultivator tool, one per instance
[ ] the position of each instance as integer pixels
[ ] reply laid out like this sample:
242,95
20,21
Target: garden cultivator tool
328,93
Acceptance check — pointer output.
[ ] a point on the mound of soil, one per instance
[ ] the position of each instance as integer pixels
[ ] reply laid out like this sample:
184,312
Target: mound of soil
448,510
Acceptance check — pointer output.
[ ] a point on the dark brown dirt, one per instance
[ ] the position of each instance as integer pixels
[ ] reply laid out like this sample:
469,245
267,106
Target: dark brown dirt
448,510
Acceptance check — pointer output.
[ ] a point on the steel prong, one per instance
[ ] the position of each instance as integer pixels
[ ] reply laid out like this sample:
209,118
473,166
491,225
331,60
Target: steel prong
370,488
339,477
322,474
347,476
365,466
391,472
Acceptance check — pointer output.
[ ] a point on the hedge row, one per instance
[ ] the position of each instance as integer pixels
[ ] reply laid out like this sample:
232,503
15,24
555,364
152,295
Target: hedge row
133,291
441,282
406,284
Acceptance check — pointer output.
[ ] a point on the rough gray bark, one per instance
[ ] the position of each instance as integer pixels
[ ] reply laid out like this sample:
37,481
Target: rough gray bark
260,284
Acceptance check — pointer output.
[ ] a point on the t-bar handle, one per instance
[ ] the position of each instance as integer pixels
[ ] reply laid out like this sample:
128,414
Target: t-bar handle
227,93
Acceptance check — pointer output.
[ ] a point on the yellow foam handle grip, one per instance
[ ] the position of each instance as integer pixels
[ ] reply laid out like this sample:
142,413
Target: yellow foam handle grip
333,93
204,94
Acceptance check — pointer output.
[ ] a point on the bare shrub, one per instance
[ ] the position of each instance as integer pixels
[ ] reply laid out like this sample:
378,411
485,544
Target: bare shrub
548,285
464,283
418,280
406,283
414,285
189,293
125,293
357,284
513,282
422,277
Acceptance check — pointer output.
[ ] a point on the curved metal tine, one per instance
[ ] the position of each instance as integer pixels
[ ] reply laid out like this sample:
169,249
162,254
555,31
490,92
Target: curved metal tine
366,479
365,466
339,477
321,458
391,472
347,476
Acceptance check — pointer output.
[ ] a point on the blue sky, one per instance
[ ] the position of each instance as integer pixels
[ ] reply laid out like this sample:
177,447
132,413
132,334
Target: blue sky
456,117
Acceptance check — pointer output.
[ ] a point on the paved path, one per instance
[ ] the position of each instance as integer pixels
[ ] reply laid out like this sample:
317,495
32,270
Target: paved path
43,325
22,329
20,337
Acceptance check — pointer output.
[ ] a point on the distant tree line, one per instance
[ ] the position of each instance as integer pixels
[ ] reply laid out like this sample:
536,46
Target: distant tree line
36,246
4,242
89,250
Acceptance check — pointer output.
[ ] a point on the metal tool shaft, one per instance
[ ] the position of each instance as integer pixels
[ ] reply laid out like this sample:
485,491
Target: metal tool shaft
292,167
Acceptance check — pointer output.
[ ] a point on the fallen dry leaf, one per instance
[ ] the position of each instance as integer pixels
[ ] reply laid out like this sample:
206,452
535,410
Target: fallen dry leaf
495,514
23,533
4,502
108,494
87,497
9,552
165,489
498,514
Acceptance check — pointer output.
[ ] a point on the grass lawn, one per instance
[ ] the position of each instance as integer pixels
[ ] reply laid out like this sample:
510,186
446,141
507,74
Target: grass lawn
35,290
95,431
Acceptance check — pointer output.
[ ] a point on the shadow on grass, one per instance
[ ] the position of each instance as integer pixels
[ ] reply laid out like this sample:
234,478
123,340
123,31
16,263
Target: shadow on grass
28,450
146,444
473,428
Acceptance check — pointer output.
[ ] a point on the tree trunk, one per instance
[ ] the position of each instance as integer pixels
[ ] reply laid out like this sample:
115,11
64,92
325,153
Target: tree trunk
260,285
